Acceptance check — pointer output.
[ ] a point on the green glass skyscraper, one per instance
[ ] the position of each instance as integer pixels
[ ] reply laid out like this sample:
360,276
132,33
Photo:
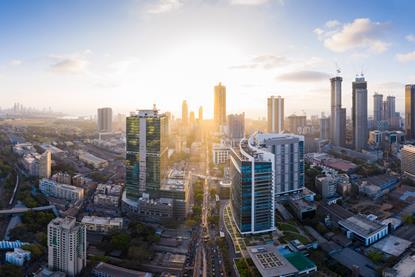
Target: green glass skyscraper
146,157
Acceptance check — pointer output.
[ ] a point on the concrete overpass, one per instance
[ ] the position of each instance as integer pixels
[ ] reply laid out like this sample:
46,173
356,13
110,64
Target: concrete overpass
24,210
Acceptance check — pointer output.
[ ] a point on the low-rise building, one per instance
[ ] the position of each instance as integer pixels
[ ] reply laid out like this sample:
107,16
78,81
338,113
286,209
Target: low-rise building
377,186
106,200
360,228
220,153
147,209
18,256
92,160
62,178
108,270
303,209
53,189
102,224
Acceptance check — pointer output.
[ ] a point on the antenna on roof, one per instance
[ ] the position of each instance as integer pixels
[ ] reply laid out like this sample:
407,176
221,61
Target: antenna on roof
338,70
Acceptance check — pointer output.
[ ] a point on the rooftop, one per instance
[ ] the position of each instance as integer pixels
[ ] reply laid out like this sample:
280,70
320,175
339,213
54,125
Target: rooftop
405,267
392,245
301,262
269,261
359,224
112,270
102,220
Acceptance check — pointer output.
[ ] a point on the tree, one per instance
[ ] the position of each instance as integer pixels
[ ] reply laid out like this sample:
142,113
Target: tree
408,219
139,253
35,249
8,270
120,241
375,256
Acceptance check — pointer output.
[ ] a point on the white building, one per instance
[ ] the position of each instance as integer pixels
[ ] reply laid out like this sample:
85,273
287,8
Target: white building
102,224
408,161
92,160
53,189
66,246
18,256
220,153
363,229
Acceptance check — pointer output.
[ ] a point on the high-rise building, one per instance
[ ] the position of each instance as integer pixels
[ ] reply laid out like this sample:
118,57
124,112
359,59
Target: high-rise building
408,161
146,158
410,111
236,127
296,123
338,114
264,167
185,113
45,165
192,119
324,128
275,114
377,109
252,190
105,120
359,113
200,114
66,246
219,113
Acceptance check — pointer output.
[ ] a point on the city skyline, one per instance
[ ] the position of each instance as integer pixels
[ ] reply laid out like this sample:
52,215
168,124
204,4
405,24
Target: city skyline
75,68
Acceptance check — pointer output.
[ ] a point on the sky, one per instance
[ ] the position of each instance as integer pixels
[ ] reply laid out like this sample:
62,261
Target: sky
75,55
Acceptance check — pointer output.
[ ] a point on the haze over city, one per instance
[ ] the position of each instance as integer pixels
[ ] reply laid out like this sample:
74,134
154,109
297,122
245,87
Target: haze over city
204,138
74,56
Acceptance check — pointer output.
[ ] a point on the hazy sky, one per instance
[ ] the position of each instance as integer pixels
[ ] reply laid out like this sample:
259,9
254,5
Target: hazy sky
77,55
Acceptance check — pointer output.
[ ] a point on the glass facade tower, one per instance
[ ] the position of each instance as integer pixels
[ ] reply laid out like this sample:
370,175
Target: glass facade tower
146,158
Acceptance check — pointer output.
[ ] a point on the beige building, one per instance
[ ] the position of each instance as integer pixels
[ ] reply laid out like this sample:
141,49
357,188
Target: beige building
219,113
51,188
275,114
102,224
66,246
45,165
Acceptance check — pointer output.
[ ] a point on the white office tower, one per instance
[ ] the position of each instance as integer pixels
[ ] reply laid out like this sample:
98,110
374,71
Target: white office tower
359,113
288,152
104,120
45,165
66,246
275,116
408,161
338,114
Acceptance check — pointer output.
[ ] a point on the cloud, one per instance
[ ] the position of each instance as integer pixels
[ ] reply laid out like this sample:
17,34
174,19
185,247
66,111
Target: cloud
72,63
15,62
164,6
410,38
303,76
361,33
249,2
406,57
264,62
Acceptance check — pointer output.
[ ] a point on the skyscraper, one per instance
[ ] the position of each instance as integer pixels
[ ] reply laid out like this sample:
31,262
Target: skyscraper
146,158
219,113
275,115
296,123
264,167
192,118
200,114
66,246
359,113
185,113
45,165
408,161
236,127
338,114
324,127
377,109
410,111
104,123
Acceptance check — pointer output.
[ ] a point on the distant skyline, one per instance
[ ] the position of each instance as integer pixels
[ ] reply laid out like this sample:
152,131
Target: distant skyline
76,56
